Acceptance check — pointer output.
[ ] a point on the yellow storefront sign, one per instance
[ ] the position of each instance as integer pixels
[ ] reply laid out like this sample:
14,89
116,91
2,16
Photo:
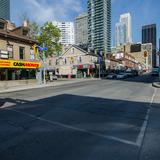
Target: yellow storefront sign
19,64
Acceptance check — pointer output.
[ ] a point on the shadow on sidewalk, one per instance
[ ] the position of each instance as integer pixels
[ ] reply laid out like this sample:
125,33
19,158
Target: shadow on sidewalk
140,79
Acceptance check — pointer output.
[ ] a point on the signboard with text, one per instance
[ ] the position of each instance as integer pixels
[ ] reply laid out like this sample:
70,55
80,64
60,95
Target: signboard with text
19,64
4,54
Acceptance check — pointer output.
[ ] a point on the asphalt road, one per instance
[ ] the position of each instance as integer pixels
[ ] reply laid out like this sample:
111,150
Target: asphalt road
96,120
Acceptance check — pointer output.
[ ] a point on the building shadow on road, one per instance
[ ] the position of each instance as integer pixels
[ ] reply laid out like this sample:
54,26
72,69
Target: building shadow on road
66,125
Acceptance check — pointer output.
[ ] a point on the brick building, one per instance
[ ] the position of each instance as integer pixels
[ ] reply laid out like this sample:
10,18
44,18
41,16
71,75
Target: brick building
17,60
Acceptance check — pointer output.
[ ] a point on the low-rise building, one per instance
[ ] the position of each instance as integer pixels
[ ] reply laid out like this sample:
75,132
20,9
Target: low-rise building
76,62
122,60
141,52
17,59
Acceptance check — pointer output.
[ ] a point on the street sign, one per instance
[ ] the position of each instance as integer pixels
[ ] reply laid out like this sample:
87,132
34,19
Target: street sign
42,48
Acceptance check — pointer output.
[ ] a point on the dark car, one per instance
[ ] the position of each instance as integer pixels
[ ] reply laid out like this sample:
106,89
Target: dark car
111,76
154,71
129,74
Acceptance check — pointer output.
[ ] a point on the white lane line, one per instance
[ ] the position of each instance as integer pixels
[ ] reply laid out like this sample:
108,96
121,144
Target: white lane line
140,137
76,129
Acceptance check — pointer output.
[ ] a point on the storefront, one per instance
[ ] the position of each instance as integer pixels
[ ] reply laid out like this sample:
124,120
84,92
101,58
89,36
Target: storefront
86,70
18,70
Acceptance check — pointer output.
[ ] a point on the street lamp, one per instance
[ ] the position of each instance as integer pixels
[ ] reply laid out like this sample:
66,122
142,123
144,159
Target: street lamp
158,53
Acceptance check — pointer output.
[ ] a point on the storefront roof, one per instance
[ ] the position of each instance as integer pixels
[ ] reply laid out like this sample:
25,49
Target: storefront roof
11,35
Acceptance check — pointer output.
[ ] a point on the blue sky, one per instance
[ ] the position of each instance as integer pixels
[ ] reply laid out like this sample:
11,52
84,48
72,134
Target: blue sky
142,11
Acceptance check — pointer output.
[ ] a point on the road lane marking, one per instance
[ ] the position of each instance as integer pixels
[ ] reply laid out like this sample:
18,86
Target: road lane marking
141,135
75,128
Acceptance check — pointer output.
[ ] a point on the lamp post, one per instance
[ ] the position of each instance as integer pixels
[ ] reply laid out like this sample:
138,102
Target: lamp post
99,70
42,50
99,61
44,67
158,53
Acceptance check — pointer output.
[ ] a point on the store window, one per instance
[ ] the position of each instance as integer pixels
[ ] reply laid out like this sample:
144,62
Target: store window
50,62
10,50
57,62
65,61
2,25
32,56
79,59
71,60
21,53
72,50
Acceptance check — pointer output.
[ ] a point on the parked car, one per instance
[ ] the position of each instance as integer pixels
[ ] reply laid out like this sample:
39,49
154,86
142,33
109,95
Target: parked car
55,77
135,72
111,76
121,76
154,71
129,74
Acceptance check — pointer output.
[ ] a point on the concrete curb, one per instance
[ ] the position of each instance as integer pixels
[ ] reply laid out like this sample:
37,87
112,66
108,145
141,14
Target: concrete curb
52,84
156,84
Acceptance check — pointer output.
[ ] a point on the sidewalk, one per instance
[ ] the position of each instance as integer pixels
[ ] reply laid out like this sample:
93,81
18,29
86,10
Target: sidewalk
59,82
156,83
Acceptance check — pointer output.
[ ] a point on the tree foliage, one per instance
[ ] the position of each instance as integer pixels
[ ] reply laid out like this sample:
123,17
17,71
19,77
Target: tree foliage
34,30
49,38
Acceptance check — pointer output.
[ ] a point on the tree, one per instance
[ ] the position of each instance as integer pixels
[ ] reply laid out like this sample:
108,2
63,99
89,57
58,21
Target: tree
49,37
34,30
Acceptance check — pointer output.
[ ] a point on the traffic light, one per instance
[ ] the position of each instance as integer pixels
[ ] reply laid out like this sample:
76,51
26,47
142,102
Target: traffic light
35,49
145,54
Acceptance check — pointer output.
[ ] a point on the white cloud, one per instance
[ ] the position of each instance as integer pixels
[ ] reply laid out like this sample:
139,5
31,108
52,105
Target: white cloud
49,10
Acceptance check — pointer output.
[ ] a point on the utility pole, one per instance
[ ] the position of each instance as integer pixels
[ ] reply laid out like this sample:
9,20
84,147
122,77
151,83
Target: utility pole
99,71
37,57
159,65
44,66
99,68
39,73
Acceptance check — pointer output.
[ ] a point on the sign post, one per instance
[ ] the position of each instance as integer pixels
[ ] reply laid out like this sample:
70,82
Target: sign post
99,61
44,67
159,65
43,49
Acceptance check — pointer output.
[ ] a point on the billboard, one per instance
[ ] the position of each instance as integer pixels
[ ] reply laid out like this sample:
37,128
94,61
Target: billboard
135,48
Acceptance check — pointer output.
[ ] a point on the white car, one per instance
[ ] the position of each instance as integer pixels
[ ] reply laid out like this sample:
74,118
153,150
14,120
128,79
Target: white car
121,76
55,77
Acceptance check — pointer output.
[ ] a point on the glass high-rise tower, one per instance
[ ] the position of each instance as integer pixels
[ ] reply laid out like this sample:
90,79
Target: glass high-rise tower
81,29
99,21
67,32
120,34
5,9
124,29
149,35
